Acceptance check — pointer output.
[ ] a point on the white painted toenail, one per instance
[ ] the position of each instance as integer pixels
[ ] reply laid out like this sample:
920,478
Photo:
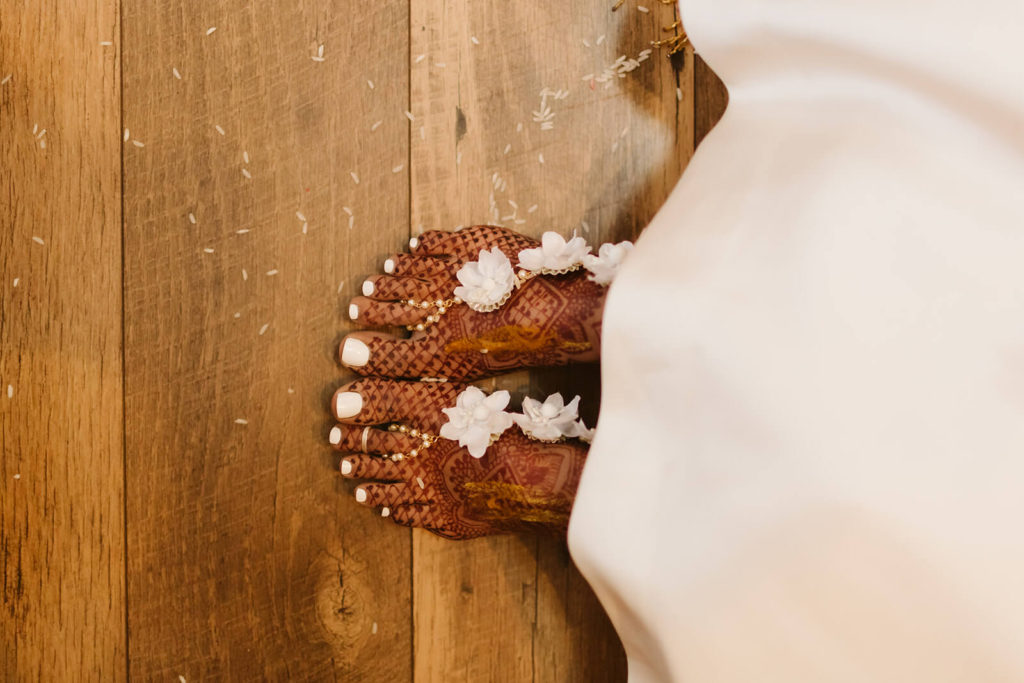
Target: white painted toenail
360,495
346,467
414,242
355,353
353,311
367,288
349,404
389,266
385,512
335,436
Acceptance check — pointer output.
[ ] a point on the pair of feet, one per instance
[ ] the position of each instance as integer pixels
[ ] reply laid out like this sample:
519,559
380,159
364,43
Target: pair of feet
434,451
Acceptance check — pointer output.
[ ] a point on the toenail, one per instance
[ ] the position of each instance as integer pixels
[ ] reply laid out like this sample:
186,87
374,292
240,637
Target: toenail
389,266
355,353
335,436
360,495
349,404
353,311
414,242
346,467
385,511
367,288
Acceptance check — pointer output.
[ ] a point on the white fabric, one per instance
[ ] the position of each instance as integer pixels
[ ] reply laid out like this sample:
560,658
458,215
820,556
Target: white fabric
809,464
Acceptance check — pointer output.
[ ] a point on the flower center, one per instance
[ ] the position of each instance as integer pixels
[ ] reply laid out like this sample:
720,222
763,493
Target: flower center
481,413
548,411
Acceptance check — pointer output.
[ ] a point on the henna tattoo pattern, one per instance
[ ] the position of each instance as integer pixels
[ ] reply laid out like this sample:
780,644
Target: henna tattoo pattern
549,320
519,484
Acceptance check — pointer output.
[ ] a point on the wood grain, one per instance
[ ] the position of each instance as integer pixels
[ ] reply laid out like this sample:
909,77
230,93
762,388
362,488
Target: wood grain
514,609
247,557
710,99
61,451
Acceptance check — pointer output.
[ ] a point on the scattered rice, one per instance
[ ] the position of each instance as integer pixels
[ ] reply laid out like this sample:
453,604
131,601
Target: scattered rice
317,59
106,43
17,476
624,132
211,30
127,134
679,95
513,204
508,148
10,391
219,130
290,390
347,210
532,209
242,231
420,482
615,145
177,74
241,421
600,39
540,157
42,144
355,177
375,126
520,221
192,218
641,8
373,629
398,169
301,216
440,65
245,157
138,143
341,286
181,679
305,228
272,271
238,314
38,240
6,78
419,59
266,326
585,225
246,173
369,83
320,50
519,127
208,250
351,221
16,281
408,115
586,43
245,274
474,40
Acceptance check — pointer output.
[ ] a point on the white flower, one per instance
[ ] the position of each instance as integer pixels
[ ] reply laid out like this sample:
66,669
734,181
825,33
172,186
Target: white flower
554,255
605,265
548,421
476,418
488,282
584,434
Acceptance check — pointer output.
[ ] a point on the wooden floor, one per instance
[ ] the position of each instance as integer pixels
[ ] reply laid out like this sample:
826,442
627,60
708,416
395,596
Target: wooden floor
189,193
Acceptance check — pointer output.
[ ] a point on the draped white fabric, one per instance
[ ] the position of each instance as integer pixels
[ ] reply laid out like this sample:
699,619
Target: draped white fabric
809,464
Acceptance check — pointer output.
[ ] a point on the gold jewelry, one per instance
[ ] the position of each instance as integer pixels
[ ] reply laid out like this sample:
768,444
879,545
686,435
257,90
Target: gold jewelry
366,433
426,441
440,306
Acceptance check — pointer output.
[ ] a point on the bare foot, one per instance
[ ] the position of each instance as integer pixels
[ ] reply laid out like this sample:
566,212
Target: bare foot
548,320
421,479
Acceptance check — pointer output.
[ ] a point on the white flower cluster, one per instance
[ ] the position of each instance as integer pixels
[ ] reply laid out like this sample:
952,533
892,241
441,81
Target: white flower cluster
477,420
487,283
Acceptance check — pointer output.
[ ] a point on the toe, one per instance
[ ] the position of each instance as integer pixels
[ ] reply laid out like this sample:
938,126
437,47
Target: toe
420,266
384,355
374,401
376,495
368,311
412,515
392,287
370,440
370,467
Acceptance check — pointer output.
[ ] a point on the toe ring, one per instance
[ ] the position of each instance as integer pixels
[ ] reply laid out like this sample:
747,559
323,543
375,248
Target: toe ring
362,441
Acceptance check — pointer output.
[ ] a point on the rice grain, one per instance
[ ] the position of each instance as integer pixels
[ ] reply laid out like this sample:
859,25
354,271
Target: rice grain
211,30
208,250
241,421
192,218
177,74
375,126
246,173
266,326
272,271
355,177
38,240
219,129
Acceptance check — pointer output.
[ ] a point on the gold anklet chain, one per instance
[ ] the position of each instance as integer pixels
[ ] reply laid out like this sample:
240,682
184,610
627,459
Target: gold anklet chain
678,41
426,441
439,307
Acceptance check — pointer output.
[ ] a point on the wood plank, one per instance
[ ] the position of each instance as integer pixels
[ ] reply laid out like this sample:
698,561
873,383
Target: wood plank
61,401
710,99
514,609
248,559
